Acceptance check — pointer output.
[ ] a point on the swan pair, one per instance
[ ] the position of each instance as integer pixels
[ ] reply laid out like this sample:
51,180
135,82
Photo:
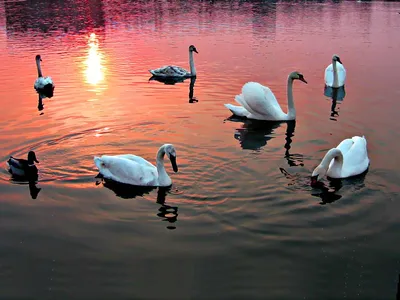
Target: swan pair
259,102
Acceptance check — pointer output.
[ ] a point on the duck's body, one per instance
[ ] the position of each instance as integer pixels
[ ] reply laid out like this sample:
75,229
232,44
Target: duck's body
175,71
44,86
335,73
259,102
135,170
349,158
23,167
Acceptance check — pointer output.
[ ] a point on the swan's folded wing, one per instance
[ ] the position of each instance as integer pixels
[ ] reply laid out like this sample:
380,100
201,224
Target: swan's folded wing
345,145
259,100
138,159
127,171
239,111
169,71
329,74
356,158
341,74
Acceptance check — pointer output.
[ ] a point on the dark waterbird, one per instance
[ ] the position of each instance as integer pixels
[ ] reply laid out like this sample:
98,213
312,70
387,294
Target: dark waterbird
20,167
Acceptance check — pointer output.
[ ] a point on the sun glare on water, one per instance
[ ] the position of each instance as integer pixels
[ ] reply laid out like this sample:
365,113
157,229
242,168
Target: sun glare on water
94,69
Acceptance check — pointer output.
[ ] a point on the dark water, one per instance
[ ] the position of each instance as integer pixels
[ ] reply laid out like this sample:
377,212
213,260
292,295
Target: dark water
240,221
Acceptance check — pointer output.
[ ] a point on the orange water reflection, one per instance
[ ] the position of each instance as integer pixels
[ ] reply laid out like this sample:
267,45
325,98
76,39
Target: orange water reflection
94,68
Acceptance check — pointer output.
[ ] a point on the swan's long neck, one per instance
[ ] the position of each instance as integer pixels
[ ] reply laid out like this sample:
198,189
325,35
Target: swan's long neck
291,109
39,69
336,168
191,63
335,74
163,178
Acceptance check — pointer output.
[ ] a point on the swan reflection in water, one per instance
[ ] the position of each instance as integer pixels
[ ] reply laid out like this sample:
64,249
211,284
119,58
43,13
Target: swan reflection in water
329,193
174,80
165,212
336,94
254,134
40,106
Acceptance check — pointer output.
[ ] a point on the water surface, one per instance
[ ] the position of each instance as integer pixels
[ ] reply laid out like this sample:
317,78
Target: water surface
241,220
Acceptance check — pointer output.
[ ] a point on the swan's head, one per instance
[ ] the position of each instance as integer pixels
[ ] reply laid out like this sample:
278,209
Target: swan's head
38,58
171,154
318,173
297,75
32,157
336,58
192,49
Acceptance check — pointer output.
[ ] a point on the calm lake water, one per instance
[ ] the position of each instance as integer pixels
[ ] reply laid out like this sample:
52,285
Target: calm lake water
241,220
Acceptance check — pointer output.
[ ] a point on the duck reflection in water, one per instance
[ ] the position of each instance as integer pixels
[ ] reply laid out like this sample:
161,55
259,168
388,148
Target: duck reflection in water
336,94
31,181
165,212
174,80
33,189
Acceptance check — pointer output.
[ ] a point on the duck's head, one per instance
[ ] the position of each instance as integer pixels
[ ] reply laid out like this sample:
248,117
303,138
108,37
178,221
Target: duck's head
193,49
32,158
38,58
336,58
297,75
171,154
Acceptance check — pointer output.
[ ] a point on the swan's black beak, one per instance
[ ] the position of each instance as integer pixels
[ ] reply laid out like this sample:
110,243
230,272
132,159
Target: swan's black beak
338,60
173,163
314,180
302,79
195,50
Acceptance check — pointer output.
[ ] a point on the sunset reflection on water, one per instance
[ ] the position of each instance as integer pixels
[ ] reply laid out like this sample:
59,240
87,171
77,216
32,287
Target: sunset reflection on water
245,221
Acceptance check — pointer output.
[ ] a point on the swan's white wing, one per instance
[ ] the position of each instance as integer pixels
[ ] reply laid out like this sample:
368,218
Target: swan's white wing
341,74
345,145
126,171
260,101
355,156
329,74
239,111
170,71
41,82
138,159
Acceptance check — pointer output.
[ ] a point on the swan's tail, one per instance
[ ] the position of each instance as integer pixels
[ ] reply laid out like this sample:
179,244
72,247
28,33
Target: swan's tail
98,162
237,110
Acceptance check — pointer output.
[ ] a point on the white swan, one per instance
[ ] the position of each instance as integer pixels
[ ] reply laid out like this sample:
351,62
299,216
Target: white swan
135,170
258,102
174,71
43,85
349,158
335,73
